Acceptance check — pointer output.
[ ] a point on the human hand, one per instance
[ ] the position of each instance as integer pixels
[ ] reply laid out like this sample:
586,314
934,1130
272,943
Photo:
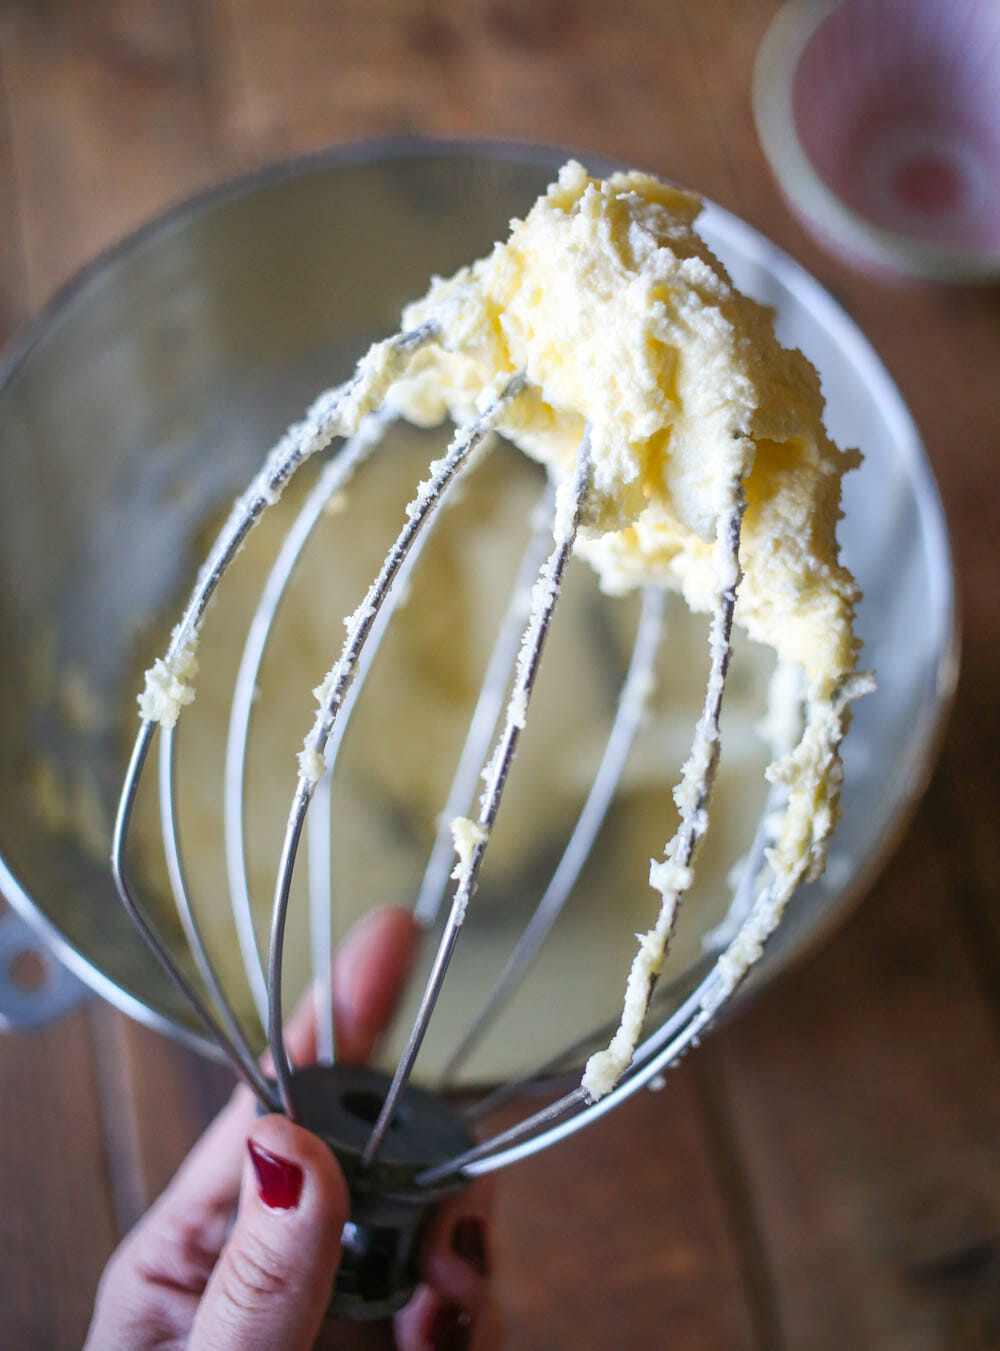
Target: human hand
182,1279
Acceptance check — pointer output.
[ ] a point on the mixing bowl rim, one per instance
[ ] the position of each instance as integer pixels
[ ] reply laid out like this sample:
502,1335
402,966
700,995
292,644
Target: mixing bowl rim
832,315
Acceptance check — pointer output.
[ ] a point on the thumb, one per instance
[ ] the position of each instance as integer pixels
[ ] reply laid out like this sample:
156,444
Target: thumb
272,1282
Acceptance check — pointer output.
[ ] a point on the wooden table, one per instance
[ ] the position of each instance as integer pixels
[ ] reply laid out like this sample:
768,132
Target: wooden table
824,1173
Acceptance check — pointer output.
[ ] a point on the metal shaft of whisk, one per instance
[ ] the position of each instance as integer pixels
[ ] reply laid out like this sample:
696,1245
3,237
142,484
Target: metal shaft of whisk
482,725
333,695
320,856
321,424
244,1066
569,505
334,477
627,718
714,943
697,1011
660,1050
189,921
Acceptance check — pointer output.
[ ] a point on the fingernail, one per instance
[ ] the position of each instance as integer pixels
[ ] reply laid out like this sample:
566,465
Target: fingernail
451,1329
468,1240
279,1181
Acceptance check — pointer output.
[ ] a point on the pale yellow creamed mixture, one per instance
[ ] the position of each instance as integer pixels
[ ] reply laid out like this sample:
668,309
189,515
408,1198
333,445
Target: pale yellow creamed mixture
622,319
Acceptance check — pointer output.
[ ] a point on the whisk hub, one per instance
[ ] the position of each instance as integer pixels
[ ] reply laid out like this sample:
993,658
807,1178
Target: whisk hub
340,1103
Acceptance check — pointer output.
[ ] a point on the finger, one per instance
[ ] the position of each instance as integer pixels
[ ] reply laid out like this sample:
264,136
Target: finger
370,968
489,1332
453,1307
429,1323
455,1255
272,1282
150,1288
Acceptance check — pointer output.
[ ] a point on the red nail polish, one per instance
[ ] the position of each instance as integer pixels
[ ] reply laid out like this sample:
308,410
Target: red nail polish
451,1329
279,1181
468,1240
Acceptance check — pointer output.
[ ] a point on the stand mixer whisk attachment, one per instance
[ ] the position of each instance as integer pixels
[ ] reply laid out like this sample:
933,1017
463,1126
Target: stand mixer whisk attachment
403,1146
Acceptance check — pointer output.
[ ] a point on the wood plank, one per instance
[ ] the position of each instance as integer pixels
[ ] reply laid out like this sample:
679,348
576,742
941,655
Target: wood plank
56,1222
157,1098
108,126
107,122
943,343
13,301
583,75
621,1236
866,1092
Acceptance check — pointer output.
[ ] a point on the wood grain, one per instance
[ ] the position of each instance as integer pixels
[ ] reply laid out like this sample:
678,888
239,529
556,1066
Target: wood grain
865,1092
826,1172
593,1250
56,1222
107,125
107,122
13,307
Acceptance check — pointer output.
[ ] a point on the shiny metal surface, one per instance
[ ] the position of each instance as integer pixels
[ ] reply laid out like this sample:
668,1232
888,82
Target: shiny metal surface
206,331
52,990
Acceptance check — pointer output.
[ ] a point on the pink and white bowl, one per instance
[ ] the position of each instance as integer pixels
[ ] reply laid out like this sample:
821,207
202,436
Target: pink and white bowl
881,122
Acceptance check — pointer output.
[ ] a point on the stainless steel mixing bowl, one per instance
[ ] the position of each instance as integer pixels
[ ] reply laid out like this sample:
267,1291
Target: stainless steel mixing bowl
146,394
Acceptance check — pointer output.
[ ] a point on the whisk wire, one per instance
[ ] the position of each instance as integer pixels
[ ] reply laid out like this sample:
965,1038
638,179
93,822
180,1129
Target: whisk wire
715,942
569,505
321,424
628,716
319,857
245,1067
332,695
658,1052
189,922
482,725
334,477
693,797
